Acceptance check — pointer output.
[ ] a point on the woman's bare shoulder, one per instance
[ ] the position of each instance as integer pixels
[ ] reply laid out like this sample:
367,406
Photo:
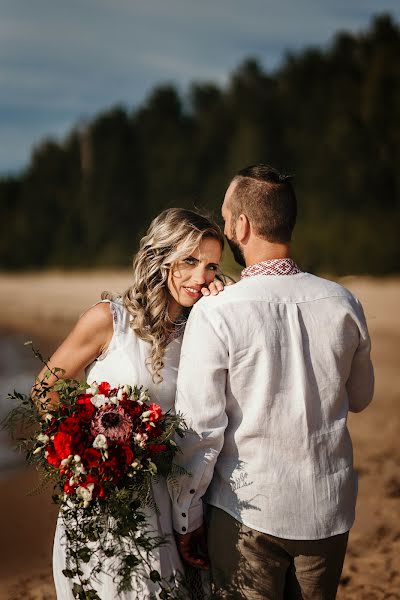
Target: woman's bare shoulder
96,319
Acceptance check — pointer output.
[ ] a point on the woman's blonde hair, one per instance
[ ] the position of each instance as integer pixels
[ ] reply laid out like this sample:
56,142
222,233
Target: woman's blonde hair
172,236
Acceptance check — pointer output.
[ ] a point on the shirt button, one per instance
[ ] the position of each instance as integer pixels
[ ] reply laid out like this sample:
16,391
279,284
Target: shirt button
192,491
183,514
183,528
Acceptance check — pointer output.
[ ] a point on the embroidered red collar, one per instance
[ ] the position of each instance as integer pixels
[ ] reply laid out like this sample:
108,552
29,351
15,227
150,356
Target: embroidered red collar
275,266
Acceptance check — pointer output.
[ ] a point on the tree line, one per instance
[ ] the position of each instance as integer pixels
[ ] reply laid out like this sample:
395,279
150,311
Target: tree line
329,116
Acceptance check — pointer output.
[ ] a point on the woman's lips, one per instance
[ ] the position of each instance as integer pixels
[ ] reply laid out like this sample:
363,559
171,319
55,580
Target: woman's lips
192,292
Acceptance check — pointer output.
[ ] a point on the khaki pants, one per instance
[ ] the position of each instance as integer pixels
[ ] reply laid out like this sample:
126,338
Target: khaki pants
247,564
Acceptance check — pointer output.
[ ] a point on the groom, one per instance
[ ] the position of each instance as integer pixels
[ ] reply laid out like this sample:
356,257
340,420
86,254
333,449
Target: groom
269,370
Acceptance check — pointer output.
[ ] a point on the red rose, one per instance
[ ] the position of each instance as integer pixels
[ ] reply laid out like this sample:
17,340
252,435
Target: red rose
91,479
111,468
101,492
52,457
157,447
86,412
84,407
132,408
71,425
104,388
92,457
128,454
63,444
69,489
156,412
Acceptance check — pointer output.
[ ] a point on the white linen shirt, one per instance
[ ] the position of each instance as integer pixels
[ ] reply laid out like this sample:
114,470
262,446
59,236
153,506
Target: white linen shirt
269,370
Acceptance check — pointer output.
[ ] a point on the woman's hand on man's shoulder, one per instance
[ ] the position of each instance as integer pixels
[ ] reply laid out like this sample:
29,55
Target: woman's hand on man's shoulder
216,287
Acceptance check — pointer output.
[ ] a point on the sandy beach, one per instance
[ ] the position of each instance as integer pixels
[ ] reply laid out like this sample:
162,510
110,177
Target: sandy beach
43,307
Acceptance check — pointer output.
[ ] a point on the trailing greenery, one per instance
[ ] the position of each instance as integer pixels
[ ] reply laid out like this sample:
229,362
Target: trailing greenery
105,504
331,116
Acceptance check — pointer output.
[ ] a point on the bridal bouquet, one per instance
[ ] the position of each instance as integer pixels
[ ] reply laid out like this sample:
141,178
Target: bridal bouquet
101,446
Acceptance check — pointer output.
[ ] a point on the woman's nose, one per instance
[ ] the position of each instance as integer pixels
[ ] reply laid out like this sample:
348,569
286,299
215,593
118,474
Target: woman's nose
199,275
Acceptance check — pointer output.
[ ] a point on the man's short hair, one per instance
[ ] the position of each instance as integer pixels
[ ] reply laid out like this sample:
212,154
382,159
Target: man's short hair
267,199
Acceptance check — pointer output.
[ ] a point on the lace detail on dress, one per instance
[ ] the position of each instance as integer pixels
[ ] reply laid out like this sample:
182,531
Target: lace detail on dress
116,313
179,326
177,332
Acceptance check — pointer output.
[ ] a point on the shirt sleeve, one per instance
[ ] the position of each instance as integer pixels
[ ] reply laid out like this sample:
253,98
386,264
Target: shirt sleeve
201,400
360,384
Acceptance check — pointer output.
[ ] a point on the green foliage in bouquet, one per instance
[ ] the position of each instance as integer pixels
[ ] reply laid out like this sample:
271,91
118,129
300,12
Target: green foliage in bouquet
102,448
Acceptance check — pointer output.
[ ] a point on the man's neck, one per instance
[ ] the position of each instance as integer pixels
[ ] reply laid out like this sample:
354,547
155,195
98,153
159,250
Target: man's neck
266,251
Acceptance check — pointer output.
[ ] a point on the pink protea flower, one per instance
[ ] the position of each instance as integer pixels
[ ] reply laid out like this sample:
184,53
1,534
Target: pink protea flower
113,422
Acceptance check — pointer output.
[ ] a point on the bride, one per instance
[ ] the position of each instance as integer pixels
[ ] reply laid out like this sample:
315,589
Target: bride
136,340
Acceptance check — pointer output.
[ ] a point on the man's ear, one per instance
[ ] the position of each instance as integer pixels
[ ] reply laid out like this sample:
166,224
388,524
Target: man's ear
242,228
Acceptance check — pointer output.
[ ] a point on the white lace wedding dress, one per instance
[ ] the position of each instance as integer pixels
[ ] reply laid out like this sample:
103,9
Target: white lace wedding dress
124,363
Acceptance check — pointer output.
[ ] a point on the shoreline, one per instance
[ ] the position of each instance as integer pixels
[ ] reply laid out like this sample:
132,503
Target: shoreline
44,306
55,300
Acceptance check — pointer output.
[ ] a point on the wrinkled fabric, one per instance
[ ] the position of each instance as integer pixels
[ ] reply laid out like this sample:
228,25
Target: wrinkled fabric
269,370
124,362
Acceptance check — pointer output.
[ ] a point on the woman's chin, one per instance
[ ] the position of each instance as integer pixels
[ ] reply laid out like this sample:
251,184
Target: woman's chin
188,303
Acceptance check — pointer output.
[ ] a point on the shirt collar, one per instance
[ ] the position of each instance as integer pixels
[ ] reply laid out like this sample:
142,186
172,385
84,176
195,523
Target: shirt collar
275,266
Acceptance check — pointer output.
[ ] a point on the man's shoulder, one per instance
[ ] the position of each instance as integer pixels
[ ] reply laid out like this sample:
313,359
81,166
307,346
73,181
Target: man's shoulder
327,286
322,288
302,287
229,293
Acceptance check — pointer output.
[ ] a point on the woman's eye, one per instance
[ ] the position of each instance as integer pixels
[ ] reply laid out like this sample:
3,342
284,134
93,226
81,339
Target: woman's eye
212,267
189,261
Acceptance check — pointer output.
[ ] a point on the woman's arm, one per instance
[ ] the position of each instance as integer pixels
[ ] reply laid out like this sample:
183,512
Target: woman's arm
88,340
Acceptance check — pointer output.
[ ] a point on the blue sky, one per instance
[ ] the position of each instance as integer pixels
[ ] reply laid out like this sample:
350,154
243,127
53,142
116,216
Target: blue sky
62,61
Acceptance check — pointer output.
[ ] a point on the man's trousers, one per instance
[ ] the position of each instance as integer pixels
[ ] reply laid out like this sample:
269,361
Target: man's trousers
248,564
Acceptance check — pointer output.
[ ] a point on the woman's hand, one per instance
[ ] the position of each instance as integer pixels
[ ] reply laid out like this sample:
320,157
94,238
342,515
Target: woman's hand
215,287
193,548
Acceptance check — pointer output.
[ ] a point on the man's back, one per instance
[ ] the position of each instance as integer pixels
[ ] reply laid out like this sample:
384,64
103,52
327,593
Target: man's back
288,357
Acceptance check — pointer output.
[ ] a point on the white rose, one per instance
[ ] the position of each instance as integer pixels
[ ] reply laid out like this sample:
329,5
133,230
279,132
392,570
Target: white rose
98,400
100,442
113,400
43,438
144,396
80,469
145,415
120,394
93,389
85,494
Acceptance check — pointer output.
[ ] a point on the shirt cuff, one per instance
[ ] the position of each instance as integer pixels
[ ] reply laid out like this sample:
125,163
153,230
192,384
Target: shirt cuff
189,519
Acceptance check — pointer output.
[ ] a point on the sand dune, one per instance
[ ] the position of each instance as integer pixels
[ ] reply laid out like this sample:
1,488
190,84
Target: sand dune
45,305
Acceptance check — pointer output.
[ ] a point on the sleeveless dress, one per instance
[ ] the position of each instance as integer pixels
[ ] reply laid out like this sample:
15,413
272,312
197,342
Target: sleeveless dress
124,362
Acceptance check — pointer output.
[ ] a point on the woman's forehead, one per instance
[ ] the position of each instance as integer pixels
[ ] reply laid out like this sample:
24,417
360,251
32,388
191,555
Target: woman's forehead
208,249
